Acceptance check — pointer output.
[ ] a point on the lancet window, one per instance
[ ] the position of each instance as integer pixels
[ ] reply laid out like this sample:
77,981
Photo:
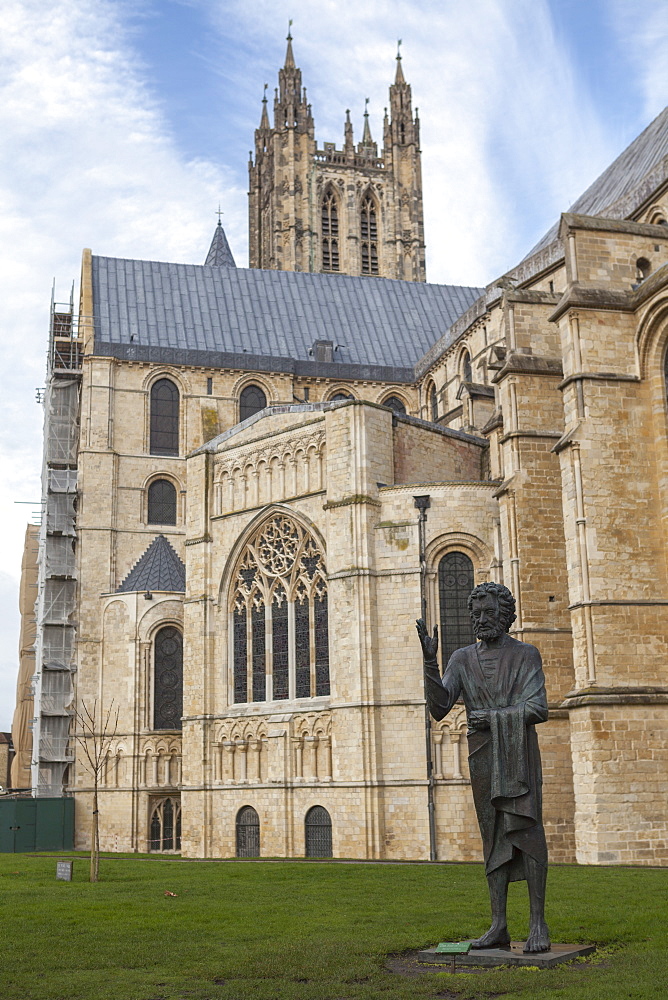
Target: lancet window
279,616
164,418
369,236
168,679
465,367
330,232
455,583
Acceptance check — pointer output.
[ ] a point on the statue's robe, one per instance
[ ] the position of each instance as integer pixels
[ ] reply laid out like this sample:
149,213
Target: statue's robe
504,760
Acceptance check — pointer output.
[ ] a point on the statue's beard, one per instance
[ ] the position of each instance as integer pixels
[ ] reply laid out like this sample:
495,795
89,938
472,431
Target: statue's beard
488,632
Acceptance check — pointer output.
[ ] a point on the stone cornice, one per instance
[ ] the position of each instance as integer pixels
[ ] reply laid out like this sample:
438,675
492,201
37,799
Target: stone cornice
596,223
585,697
579,296
529,364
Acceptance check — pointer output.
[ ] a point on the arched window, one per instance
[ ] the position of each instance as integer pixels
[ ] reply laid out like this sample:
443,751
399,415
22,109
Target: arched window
665,374
161,502
330,232
395,404
280,587
165,826
643,268
318,833
164,418
251,401
455,583
465,367
369,236
433,403
341,395
248,833
168,678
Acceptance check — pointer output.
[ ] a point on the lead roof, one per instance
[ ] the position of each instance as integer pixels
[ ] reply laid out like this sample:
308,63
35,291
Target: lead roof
158,569
143,305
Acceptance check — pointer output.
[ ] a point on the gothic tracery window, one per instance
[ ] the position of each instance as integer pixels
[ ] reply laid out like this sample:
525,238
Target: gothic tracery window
165,826
280,591
164,418
455,583
369,236
330,232
168,678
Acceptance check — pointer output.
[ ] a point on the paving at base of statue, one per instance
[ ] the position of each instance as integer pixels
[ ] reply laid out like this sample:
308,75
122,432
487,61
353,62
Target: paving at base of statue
514,955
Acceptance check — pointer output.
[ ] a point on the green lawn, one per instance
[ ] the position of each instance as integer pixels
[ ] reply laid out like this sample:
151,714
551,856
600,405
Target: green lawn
262,931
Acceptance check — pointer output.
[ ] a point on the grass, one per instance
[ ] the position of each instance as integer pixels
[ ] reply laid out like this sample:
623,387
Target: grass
266,931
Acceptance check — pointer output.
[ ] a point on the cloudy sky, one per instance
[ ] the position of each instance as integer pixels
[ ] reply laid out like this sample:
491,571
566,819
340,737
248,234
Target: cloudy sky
126,122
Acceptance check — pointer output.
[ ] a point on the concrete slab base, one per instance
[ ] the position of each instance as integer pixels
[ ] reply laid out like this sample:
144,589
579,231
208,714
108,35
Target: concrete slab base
490,957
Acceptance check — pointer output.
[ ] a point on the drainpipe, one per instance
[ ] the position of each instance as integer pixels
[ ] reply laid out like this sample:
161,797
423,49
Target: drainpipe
423,503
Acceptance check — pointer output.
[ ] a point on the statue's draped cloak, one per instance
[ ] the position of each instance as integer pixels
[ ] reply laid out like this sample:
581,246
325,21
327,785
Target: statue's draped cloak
504,760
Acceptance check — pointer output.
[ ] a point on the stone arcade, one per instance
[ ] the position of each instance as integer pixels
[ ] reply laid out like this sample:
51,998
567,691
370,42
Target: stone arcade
241,569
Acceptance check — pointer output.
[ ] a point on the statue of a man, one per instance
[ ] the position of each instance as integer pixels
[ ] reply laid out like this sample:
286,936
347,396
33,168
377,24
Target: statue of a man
502,684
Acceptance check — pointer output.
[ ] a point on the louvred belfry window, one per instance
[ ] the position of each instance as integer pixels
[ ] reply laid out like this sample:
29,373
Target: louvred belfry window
369,235
278,615
330,232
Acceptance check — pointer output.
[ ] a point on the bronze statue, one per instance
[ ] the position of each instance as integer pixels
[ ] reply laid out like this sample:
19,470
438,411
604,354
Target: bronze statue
503,688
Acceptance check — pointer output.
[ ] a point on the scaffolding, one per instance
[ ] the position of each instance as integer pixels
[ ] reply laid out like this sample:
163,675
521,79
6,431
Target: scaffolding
55,658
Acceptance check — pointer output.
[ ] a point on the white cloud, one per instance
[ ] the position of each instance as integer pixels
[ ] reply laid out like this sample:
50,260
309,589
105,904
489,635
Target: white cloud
644,35
86,158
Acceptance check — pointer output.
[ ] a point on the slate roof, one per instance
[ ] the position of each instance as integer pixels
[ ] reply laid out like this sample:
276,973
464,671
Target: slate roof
158,569
143,305
219,254
623,175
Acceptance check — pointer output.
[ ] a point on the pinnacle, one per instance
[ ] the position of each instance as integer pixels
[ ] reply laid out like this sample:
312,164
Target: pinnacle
219,254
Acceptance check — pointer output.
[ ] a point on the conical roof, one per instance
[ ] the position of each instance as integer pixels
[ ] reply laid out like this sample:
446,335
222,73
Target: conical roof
158,569
219,254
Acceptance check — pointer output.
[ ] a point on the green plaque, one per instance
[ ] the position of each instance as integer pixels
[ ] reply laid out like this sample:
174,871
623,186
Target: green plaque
453,947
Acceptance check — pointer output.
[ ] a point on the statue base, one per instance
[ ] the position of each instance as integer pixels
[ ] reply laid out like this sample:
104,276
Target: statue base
514,955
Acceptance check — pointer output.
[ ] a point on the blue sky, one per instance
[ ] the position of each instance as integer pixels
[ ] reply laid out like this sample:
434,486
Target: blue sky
126,122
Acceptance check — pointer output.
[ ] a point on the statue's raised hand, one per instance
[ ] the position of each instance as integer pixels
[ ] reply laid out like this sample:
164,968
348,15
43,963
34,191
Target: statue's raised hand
428,642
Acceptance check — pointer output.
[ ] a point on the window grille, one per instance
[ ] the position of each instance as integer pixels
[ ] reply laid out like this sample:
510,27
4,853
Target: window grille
395,404
164,418
455,583
318,833
168,678
369,234
251,401
280,567
330,233
165,825
248,833
161,502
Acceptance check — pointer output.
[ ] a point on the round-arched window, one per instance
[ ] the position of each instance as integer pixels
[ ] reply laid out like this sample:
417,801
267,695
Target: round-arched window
395,404
252,400
455,583
248,833
161,502
318,833
338,396
168,678
164,418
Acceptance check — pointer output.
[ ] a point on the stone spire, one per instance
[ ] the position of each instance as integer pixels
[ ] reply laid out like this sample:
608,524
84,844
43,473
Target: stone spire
219,254
399,75
366,136
289,57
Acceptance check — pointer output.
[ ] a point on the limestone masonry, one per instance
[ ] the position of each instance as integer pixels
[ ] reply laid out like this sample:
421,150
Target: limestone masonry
230,551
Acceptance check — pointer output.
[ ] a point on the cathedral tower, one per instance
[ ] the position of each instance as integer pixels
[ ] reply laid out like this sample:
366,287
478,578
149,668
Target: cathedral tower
348,210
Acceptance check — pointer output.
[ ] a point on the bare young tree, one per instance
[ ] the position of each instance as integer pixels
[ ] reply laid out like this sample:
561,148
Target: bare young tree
95,742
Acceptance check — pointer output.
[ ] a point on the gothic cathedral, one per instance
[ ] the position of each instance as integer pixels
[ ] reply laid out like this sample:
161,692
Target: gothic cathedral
345,211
